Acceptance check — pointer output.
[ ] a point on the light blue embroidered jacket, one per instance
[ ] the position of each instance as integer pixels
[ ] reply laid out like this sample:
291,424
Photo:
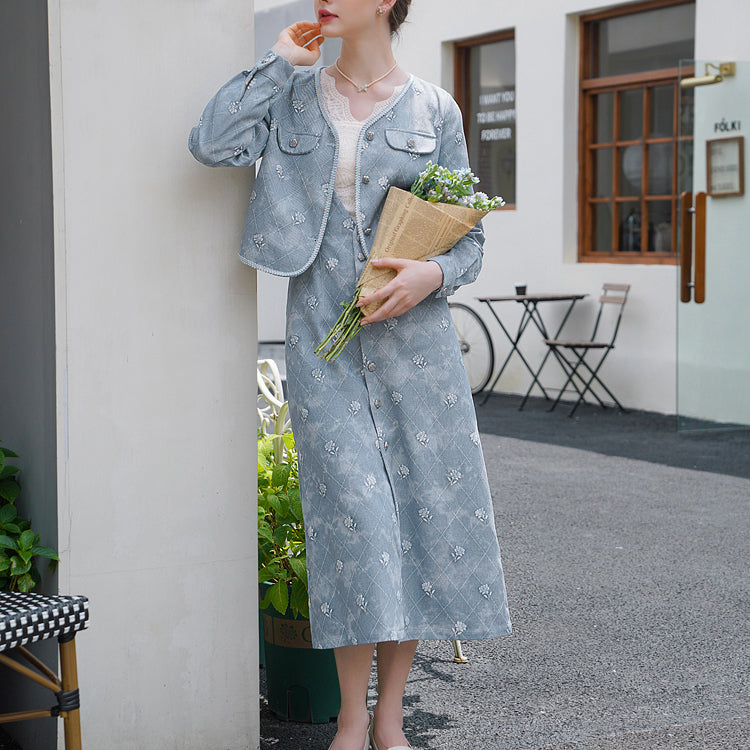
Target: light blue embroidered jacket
275,113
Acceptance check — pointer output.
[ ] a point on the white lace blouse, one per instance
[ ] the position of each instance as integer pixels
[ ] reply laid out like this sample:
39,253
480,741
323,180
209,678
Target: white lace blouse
348,128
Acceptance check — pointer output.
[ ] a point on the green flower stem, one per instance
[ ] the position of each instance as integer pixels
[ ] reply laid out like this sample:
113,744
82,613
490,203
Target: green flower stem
344,330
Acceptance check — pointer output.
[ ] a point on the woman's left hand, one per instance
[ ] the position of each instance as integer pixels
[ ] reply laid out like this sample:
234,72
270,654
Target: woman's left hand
415,279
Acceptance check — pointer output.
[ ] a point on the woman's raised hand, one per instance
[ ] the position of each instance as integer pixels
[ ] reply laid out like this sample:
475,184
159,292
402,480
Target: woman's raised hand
300,43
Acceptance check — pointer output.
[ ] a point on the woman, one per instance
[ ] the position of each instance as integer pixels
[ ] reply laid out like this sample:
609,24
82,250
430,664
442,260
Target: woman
401,536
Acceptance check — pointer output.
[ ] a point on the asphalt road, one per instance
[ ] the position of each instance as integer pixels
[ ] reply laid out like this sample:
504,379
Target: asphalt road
625,545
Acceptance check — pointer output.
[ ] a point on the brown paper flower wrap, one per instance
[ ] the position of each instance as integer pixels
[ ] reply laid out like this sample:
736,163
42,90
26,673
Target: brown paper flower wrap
440,209
411,228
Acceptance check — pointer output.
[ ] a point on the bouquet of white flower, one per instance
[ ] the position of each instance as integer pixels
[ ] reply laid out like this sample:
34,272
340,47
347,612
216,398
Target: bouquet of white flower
428,221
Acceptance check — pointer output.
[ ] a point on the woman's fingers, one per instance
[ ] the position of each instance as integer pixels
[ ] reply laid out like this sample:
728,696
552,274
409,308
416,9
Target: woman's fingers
300,43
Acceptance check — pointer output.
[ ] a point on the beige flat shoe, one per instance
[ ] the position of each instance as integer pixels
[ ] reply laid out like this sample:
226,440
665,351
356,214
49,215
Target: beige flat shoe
374,745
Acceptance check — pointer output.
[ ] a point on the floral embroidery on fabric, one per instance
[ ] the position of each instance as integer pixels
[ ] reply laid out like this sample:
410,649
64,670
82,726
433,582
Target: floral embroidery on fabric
444,325
405,545
298,218
390,323
482,515
403,471
312,533
322,489
361,602
312,301
458,628
451,399
274,124
259,240
419,361
331,448
425,514
293,340
475,438
303,414
238,150
459,136
454,476
326,609
422,438
279,172
298,106
370,482
318,374
339,566
457,552
384,559
396,397
348,223
485,591
331,263
428,588
253,196
384,183
350,523
354,407
234,107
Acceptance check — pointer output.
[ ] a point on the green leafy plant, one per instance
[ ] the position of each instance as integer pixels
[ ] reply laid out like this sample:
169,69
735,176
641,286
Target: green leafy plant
281,532
19,545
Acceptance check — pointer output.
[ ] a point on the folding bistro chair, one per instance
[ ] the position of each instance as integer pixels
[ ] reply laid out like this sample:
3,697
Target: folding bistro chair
571,355
26,618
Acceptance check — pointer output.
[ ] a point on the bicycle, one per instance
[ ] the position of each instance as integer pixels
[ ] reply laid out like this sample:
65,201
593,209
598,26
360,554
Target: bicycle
476,345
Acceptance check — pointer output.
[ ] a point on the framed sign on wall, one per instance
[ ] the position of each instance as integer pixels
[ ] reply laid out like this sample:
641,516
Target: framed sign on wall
725,166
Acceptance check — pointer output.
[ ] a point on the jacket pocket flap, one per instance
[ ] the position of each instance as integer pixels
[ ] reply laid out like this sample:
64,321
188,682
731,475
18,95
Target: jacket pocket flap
411,141
297,143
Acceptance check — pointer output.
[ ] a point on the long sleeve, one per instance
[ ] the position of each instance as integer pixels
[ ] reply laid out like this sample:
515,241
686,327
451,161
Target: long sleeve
462,263
233,130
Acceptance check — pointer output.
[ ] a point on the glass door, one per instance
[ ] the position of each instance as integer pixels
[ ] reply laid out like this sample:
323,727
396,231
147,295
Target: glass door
713,308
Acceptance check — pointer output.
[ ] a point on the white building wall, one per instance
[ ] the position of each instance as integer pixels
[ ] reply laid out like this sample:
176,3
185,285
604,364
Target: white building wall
537,242
156,329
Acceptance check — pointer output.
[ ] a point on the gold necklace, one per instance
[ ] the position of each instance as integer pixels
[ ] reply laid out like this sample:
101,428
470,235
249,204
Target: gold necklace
363,89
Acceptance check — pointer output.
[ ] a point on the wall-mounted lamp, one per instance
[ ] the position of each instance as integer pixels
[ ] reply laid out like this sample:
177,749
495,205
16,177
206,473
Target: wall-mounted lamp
723,70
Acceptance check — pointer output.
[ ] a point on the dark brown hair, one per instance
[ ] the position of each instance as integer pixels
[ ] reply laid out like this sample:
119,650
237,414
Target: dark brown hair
398,14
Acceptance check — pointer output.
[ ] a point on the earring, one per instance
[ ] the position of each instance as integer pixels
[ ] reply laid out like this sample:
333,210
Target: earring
382,11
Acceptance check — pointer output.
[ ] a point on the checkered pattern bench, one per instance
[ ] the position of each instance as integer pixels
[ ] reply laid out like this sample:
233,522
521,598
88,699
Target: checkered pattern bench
27,618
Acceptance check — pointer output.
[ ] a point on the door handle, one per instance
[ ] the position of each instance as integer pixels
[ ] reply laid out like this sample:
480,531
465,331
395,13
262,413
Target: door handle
692,265
699,292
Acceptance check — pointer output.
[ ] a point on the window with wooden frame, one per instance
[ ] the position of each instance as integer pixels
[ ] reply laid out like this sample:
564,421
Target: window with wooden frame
629,109
485,89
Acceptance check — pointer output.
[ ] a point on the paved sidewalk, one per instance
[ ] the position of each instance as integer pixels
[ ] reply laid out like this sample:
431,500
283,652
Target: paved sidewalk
628,588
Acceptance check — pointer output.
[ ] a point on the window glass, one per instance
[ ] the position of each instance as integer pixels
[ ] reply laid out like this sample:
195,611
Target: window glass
491,115
639,42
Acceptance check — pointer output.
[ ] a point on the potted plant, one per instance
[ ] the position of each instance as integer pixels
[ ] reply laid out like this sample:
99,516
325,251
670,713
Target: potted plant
19,545
302,684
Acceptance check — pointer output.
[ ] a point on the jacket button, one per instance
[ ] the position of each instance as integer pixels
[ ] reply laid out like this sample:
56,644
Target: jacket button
371,367
376,403
366,179
369,135
361,256
368,232
411,143
292,143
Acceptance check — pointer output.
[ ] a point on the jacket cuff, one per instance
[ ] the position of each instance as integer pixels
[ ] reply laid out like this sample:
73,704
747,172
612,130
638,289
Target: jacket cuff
272,66
449,276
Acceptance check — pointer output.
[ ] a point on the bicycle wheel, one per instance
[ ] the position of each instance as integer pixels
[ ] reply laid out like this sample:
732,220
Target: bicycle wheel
476,345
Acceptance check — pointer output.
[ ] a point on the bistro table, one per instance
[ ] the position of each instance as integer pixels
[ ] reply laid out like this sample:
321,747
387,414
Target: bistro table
531,314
